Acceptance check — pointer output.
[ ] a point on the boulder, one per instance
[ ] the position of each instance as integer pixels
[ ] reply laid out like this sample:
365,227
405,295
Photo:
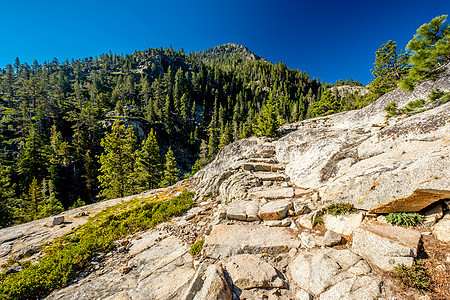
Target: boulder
433,214
228,240
385,245
342,224
208,285
441,230
243,211
274,210
278,223
331,238
249,271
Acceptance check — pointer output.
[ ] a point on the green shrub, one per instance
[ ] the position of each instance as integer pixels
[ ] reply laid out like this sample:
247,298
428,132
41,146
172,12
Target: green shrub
197,247
70,254
404,219
435,95
391,110
318,220
414,276
412,105
340,209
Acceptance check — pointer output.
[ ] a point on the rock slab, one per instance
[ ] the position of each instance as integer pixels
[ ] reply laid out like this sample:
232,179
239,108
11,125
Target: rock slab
228,240
386,245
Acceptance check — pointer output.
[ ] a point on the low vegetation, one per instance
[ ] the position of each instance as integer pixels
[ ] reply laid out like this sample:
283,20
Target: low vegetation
340,209
414,276
404,219
196,248
70,254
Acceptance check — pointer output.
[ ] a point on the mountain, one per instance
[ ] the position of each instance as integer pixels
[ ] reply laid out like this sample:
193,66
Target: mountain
304,215
54,116
228,53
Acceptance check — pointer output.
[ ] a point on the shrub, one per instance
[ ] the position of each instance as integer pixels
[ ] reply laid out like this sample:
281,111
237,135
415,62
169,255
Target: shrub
412,105
318,220
414,276
70,254
404,219
339,209
197,247
391,110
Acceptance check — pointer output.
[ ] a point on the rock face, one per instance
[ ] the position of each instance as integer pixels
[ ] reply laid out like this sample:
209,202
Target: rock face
386,245
334,274
248,271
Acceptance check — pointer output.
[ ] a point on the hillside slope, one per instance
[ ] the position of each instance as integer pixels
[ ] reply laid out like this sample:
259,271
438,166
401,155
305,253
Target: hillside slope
262,212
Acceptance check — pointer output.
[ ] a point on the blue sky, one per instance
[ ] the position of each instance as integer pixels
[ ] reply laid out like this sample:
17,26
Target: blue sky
330,40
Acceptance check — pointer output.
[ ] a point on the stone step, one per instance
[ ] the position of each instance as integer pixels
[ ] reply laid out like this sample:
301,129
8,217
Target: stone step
263,167
263,153
263,160
227,240
271,176
272,194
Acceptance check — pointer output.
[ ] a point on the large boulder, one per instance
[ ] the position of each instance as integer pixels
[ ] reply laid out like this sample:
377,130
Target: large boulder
343,224
385,245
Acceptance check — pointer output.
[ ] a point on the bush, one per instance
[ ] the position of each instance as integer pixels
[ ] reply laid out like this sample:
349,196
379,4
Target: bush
404,219
197,247
340,209
70,254
412,105
414,276
391,110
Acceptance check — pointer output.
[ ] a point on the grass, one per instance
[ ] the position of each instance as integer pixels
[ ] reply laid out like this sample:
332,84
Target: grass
414,276
67,256
196,248
404,219
340,209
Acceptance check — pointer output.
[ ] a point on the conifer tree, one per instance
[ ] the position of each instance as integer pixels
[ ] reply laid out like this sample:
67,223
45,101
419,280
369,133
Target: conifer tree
390,66
6,196
118,162
170,173
149,162
267,122
430,49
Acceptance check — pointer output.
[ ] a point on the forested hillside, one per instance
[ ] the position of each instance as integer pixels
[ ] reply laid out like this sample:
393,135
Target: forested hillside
79,131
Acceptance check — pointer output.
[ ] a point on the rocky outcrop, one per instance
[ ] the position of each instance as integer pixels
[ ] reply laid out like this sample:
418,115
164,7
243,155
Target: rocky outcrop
385,245
260,208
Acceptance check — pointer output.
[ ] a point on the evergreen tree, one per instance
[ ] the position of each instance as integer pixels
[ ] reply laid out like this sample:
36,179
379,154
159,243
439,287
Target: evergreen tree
6,196
118,162
170,173
267,122
389,67
430,49
149,162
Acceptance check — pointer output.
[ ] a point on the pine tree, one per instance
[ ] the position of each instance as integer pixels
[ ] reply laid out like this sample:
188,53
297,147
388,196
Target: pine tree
170,174
6,196
430,49
118,162
267,122
390,66
149,162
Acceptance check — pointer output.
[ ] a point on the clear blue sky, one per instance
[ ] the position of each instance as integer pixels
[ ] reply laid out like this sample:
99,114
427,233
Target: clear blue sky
327,39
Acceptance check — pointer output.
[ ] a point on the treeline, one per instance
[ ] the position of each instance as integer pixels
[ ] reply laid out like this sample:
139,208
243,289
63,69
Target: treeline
60,120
